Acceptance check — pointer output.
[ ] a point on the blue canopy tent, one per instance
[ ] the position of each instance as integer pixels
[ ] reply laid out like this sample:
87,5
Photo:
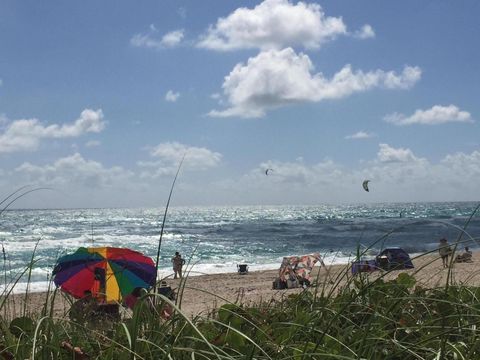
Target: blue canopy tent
393,258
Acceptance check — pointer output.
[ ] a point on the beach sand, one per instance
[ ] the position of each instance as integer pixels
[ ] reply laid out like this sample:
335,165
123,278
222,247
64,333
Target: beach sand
204,293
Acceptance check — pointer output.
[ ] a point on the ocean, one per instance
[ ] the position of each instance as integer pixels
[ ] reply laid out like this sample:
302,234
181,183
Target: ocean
216,239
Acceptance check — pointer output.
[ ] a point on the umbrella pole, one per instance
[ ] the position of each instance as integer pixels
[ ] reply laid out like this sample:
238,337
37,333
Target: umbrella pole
165,218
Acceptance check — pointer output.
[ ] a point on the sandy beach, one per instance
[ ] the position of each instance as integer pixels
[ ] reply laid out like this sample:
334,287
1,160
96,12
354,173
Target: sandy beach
202,294
257,286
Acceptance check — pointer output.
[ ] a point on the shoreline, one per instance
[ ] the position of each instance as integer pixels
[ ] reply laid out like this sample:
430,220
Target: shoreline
204,293
213,269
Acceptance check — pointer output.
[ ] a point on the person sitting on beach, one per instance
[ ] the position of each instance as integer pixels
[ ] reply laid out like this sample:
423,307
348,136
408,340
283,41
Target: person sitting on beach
83,309
444,250
131,299
178,263
465,257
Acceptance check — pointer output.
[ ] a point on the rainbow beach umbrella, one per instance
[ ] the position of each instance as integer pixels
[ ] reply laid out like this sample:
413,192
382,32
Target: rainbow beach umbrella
109,273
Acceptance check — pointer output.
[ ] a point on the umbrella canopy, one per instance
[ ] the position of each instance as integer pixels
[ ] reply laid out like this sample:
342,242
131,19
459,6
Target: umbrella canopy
299,266
108,273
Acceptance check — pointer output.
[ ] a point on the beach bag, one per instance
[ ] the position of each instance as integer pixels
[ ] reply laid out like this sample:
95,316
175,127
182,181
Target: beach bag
278,284
292,284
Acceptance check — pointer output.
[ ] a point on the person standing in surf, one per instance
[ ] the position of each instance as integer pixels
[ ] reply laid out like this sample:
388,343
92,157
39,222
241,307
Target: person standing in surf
178,263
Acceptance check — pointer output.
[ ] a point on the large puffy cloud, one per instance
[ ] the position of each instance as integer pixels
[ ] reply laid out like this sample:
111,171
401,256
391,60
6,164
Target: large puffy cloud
463,165
437,114
275,78
75,170
26,134
398,166
386,154
153,40
275,24
167,157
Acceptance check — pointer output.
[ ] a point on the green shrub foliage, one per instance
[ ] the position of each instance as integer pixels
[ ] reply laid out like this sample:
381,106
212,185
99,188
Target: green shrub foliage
366,319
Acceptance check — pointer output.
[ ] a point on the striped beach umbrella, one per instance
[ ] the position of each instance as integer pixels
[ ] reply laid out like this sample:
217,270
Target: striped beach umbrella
109,273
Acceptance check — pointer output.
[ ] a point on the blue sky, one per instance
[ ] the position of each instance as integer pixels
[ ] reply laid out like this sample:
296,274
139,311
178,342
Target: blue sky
100,100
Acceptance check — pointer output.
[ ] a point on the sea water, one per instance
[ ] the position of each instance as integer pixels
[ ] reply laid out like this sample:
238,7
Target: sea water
216,239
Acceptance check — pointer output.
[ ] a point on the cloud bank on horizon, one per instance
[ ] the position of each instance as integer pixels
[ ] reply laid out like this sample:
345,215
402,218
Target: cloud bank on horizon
26,134
244,91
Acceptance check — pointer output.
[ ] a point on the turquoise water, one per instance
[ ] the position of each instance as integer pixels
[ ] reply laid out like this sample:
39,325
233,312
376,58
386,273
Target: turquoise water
215,239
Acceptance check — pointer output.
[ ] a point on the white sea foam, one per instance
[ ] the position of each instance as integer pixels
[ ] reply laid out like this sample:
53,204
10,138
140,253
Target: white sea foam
48,230
191,270
21,287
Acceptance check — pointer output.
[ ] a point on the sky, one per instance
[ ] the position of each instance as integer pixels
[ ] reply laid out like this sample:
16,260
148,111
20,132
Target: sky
101,100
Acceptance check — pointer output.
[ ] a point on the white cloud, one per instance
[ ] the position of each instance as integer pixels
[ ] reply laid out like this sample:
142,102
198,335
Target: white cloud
437,114
277,78
26,134
273,24
401,177
463,165
396,175
172,38
360,135
152,40
387,154
172,96
168,156
409,77
75,170
366,32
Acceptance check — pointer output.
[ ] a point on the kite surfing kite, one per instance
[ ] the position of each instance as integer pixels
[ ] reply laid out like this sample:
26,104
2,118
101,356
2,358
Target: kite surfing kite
267,171
365,185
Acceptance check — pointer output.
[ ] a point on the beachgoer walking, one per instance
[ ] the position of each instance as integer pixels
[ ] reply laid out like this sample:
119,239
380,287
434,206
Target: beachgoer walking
444,250
178,263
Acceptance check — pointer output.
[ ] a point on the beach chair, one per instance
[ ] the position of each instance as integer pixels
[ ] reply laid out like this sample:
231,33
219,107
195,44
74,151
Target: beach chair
166,291
364,266
242,269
